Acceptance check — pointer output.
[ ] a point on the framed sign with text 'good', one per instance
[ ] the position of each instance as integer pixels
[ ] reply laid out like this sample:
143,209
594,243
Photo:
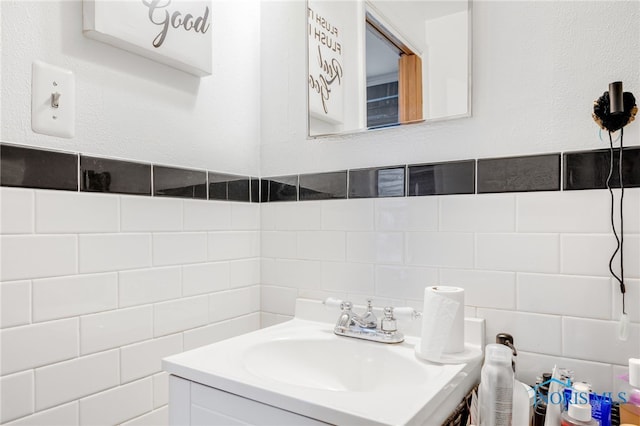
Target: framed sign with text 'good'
174,32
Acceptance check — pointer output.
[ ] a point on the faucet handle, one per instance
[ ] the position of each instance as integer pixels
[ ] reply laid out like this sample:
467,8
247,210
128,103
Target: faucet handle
332,302
388,323
346,305
406,313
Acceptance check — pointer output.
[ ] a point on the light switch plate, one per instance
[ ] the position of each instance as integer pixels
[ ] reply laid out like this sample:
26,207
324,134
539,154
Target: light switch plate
47,80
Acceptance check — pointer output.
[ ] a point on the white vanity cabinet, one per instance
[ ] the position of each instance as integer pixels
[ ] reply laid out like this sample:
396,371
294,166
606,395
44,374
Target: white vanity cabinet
191,403
300,373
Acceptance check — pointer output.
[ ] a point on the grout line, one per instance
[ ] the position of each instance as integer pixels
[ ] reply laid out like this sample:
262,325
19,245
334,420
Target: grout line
152,182
475,176
79,172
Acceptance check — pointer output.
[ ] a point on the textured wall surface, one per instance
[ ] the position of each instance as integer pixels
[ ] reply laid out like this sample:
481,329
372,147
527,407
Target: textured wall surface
537,68
131,107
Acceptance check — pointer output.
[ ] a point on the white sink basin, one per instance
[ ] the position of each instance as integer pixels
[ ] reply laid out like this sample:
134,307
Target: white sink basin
302,367
333,363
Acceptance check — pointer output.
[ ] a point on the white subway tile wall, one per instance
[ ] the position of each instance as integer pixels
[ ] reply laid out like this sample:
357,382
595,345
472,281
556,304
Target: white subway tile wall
156,417
532,264
62,415
143,359
199,216
201,278
181,314
112,329
73,212
113,252
142,286
116,405
72,296
160,390
221,330
38,256
140,214
17,211
66,381
98,288
189,273
17,395
15,303
178,248
34,345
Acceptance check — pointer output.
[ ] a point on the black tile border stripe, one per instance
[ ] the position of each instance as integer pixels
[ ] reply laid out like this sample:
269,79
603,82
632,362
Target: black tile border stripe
455,177
224,186
519,174
323,186
31,167
590,169
377,182
114,176
179,183
280,188
36,168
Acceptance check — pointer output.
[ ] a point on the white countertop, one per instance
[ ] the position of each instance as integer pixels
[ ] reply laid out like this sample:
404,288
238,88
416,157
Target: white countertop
428,392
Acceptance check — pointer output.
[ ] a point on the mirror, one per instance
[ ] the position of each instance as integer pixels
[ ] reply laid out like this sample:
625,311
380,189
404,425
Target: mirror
385,63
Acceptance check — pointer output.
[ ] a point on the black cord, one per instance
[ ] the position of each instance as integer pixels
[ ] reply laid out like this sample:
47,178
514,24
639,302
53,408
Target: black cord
623,289
619,240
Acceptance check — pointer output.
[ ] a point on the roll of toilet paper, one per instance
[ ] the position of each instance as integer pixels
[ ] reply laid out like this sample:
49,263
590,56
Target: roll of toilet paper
442,322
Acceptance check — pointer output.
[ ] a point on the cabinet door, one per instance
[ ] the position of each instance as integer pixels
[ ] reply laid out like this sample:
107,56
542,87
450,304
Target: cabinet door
179,401
214,407
195,404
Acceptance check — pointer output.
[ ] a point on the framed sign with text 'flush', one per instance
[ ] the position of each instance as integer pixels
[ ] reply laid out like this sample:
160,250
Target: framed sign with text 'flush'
174,32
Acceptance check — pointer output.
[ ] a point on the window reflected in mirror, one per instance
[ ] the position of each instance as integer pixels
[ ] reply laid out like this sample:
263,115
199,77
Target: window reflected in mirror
394,78
382,79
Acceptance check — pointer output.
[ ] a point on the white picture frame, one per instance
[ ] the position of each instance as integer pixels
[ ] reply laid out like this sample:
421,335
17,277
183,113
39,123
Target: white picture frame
177,33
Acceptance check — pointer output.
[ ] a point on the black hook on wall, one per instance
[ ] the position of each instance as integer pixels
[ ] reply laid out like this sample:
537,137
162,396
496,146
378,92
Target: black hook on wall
615,108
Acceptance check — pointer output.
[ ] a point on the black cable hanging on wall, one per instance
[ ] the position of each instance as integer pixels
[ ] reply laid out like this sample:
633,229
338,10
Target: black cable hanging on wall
612,111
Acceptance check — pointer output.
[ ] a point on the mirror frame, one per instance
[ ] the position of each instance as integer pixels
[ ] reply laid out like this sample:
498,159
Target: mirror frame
423,122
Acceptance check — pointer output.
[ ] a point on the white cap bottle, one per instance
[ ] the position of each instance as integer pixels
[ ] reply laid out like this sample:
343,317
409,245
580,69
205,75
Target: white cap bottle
579,412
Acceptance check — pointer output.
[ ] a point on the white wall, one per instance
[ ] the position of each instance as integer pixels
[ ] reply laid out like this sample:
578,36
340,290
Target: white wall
131,107
97,289
537,67
532,264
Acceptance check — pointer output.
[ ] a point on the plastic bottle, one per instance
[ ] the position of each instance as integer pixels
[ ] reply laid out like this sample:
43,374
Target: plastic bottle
579,412
630,412
521,412
540,407
496,387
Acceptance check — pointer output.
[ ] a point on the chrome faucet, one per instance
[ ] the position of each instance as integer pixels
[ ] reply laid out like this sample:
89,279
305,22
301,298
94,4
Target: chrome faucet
365,326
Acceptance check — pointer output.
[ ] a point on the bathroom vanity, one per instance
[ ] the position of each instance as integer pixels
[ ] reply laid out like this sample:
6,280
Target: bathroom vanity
300,373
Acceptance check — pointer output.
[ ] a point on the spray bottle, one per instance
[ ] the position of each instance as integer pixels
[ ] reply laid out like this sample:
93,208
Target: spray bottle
521,411
496,386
